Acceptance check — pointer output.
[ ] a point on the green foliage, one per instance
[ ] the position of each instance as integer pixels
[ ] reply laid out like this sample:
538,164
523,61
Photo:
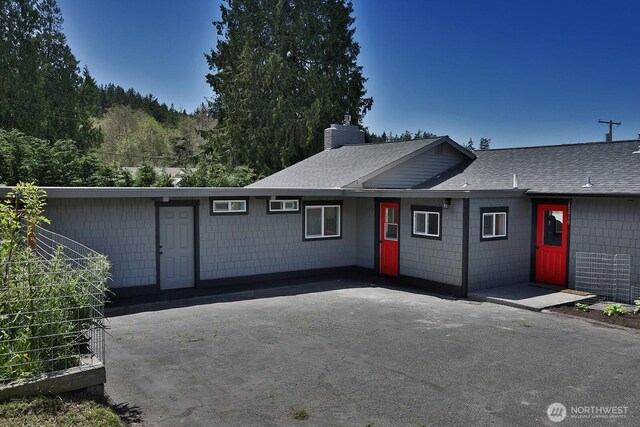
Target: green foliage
281,73
615,310
163,179
469,145
390,137
41,303
215,174
66,410
300,414
636,310
112,95
146,176
485,143
132,137
25,158
43,93
582,306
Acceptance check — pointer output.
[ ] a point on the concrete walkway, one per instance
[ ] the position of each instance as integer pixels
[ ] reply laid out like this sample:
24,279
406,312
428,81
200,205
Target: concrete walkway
528,296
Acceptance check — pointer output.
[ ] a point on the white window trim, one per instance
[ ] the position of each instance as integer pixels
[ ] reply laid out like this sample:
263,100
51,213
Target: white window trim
321,235
284,209
228,210
426,223
494,215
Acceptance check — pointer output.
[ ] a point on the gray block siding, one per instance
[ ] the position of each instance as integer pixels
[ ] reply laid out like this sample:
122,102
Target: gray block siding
437,260
257,243
122,229
605,226
365,233
500,262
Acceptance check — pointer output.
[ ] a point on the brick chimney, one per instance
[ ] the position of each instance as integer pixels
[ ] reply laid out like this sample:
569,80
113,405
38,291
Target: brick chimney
345,134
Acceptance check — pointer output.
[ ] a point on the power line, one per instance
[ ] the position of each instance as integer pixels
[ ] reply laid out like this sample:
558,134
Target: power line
609,136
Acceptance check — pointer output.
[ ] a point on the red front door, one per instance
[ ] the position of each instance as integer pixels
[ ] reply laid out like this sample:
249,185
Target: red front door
551,244
389,233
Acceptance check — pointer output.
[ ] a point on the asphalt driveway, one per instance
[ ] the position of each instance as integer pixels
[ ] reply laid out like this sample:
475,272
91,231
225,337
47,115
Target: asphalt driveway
354,355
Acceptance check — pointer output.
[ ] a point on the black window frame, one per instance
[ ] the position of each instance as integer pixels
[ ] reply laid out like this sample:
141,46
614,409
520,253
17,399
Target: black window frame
296,212
316,203
212,212
426,209
494,210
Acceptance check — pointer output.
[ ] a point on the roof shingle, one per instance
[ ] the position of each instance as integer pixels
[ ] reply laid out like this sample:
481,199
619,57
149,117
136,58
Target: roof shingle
341,166
553,169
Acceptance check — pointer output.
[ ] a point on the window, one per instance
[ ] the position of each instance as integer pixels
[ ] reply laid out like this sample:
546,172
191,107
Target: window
228,207
283,206
321,221
426,222
494,223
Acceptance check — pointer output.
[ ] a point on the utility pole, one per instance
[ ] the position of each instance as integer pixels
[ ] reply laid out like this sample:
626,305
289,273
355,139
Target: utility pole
609,136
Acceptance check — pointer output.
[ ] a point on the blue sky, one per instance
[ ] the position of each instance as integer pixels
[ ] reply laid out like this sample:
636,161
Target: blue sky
521,73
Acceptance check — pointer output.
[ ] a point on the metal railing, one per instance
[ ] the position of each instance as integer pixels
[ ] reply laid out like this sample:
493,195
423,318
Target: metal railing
606,275
51,307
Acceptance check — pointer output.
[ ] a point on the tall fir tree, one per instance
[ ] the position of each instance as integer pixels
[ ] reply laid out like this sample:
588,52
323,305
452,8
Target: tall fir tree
282,71
42,91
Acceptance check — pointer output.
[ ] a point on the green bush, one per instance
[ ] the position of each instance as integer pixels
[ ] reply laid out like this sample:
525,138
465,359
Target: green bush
45,305
615,310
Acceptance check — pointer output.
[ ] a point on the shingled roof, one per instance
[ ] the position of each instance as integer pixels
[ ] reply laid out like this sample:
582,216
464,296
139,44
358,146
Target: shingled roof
556,169
339,167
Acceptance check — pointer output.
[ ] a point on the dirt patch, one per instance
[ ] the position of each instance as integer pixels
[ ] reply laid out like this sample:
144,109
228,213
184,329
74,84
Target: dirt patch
628,320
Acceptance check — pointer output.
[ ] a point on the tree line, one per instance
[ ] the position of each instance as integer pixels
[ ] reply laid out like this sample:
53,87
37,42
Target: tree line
280,72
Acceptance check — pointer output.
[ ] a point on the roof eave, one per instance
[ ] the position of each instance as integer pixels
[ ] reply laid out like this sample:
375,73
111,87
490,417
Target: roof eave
175,192
427,193
582,194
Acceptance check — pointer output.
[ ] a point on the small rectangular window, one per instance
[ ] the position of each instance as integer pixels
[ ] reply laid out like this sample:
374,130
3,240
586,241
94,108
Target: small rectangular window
284,205
426,222
321,221
494,223
228,207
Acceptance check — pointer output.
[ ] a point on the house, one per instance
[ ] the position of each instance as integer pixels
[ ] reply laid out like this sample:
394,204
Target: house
428,211
176,174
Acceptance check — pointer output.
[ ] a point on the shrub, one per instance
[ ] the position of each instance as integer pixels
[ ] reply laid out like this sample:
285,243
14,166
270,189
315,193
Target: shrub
582,306
637,309
615,310
45,304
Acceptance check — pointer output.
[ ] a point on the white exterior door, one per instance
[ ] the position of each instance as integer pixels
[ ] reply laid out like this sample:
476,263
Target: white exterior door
177,252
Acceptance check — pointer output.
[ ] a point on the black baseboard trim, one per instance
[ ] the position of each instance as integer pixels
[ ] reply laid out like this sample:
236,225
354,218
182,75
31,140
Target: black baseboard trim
282,278
131,291
150,293
432,286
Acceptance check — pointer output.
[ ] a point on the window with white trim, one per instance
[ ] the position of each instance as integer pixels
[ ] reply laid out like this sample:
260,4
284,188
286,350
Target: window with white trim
228,206
284,205
494,225
321,221
426,222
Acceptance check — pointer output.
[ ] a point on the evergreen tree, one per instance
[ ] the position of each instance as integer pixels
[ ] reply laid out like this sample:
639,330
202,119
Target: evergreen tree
469,144
282,71
146,176
484,143
42,91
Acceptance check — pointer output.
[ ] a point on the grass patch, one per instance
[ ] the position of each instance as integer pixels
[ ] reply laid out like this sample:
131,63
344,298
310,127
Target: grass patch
300,414
65,410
